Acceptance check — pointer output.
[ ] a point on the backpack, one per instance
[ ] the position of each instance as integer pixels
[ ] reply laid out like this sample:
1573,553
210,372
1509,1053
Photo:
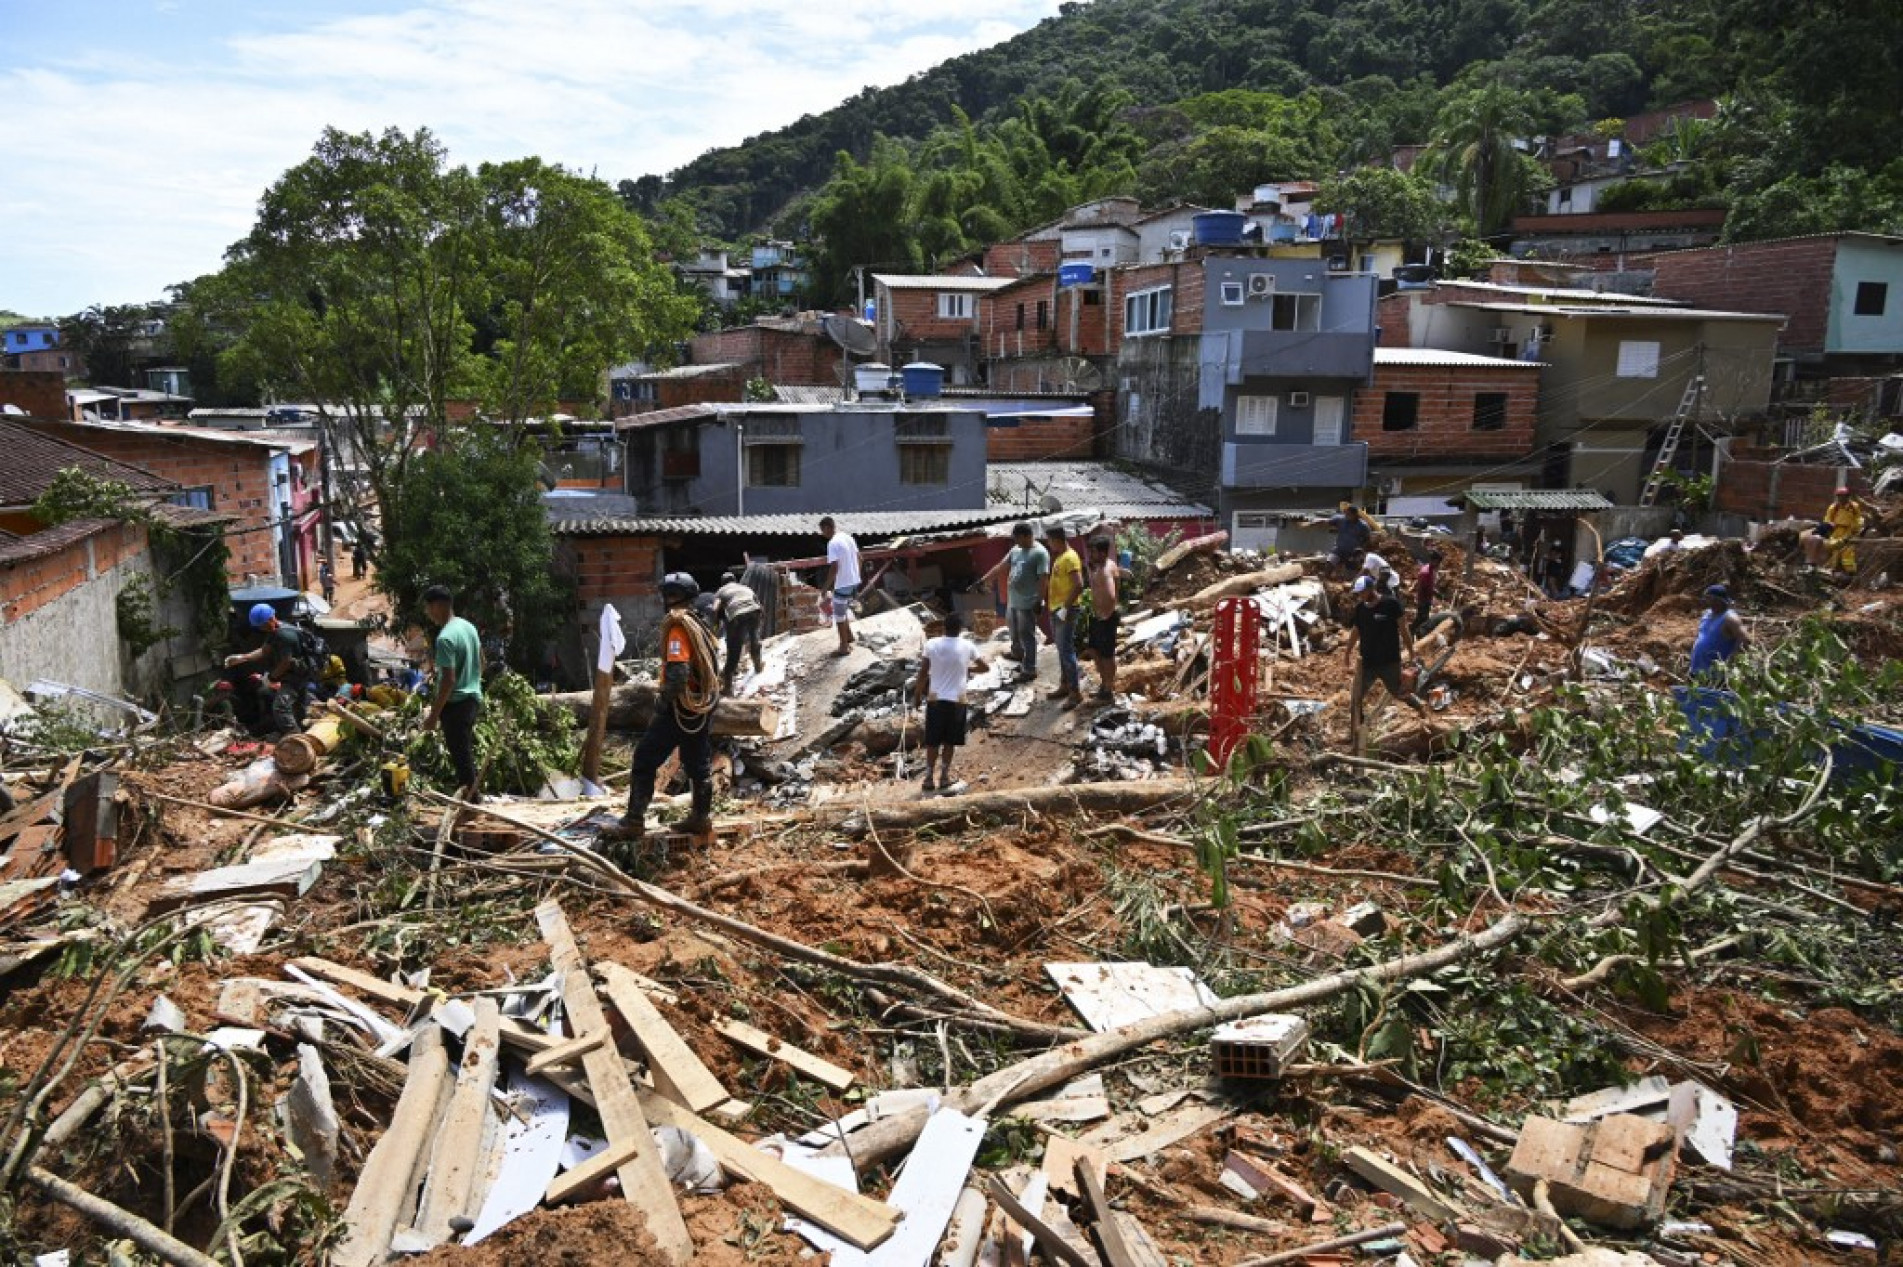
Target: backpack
313,655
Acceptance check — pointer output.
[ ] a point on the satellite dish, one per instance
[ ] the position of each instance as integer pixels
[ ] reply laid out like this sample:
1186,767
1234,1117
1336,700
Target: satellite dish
1049,505
14,410
854,336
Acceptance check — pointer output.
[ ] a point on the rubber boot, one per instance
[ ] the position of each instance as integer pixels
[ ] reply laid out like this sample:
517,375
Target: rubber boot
701,821
629,832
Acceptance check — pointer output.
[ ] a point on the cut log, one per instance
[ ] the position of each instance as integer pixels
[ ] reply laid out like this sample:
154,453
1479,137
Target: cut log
1183,549
299,754
631,707
1247,583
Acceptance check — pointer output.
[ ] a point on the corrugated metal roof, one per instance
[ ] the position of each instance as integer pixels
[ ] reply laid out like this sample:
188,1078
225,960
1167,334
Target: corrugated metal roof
1563,293
869,524
1084,486
1609,311
34,458
1537,499
661,417
1439,356
929,281
690,371
795,394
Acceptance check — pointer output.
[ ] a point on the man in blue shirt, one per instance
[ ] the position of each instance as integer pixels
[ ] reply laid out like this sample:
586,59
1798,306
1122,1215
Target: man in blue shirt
1720,634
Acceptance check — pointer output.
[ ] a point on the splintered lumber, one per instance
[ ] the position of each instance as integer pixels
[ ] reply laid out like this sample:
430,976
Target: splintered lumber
631,707
824,1072
382,1191
883,1140
1323,1247
1614,1172
859,1221
1046,1237
1183,549
565,1053
1247,583
677,1071
643,1181
1390,1178
1171,1128
1070,799
592,1171
451,1191
1116,1251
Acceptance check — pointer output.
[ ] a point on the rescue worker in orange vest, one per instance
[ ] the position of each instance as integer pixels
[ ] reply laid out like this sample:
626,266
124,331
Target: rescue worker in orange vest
683,719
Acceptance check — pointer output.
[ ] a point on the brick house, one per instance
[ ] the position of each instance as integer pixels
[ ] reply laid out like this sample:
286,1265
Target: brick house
60,586
787,352
267,481
36,393
932,318
1435,421
1617,367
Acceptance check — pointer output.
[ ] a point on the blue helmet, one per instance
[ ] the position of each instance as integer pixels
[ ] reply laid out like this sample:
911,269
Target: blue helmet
262,614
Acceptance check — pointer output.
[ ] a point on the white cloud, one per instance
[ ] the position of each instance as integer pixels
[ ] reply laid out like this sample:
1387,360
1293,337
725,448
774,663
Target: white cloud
139,169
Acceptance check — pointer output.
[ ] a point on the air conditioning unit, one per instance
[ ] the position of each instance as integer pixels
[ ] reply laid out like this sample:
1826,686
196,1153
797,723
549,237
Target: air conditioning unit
1180,239
1261,285
1298,400
1500,335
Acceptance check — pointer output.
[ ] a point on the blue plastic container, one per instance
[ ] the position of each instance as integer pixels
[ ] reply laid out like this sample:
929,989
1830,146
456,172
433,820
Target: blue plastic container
922,378
1218,228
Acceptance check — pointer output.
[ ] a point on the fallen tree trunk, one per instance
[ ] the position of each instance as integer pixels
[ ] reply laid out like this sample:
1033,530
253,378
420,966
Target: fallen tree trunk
631,707
886,1139
1247,583
117,1219
1183,549
1074,798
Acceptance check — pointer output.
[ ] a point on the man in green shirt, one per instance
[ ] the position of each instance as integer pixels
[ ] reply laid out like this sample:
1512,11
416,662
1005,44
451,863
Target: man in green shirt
458,698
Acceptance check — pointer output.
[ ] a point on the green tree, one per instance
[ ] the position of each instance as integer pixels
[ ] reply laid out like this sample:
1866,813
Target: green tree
1473,151
1379,202
102,336
1840,199
862,218
470,516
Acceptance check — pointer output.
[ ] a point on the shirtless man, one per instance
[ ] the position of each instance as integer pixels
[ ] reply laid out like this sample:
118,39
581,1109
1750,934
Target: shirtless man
1103,618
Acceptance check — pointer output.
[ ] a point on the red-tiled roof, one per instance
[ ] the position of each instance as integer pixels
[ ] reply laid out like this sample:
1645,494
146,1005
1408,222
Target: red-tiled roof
32,460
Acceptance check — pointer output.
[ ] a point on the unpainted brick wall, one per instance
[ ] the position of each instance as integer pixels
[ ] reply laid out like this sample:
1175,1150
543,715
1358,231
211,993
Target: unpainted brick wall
1444,421
1791,277
37,393
1751,483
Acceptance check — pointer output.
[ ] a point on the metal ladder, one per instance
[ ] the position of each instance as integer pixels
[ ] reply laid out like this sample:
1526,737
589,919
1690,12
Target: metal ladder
1668,448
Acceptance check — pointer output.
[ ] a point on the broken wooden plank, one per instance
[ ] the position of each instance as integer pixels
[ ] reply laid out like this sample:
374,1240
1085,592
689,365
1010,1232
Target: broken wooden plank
1062,1156
290,876
678,1072
1391,1179
1615,1172
565,1053
1111,995
592,1171
1081,1101
401,997
762,1043
860,1221
450,1192
1116,1251
924,1196
644,1184
1168,1129
1143,1249
1646,1093
1264,1178
383,1189
1046,1237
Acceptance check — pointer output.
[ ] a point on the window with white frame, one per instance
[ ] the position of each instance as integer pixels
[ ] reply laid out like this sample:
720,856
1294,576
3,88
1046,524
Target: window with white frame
1232,294
1148,311
1638,358
954,305
1255,415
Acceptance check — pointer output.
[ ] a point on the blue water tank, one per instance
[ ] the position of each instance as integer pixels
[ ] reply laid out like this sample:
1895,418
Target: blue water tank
922,378
1218,228
1075,274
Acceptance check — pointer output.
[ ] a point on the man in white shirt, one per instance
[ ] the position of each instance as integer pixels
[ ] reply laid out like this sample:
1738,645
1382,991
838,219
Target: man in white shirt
842,582
943,671
1373,565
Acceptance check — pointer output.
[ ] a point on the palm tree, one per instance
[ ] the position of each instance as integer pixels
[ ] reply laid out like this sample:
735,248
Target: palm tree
1473,150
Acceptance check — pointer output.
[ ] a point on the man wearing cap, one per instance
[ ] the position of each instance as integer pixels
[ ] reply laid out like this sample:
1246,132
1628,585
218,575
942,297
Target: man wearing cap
1026,567
738,610
1831,545
1720,634
1376,622
285,675
1064,593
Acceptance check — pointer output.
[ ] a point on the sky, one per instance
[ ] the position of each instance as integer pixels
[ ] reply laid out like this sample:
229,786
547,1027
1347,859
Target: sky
141,134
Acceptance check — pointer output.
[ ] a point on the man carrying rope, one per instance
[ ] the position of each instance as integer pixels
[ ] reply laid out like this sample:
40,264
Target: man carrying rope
683,718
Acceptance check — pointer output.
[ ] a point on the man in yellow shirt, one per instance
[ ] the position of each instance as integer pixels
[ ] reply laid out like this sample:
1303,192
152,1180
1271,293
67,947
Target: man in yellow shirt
1837,548
1063,593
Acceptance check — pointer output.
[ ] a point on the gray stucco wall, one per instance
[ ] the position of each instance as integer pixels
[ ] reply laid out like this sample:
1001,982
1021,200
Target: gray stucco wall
75,638
849,461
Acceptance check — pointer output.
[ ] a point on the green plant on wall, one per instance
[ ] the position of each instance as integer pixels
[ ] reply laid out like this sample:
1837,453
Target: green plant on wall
133,609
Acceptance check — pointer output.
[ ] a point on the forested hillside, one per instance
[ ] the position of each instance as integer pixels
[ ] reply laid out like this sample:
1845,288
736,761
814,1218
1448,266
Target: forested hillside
1197,98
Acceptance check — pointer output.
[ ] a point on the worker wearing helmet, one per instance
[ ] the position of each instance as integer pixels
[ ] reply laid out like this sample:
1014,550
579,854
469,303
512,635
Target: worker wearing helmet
284,673
683,718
